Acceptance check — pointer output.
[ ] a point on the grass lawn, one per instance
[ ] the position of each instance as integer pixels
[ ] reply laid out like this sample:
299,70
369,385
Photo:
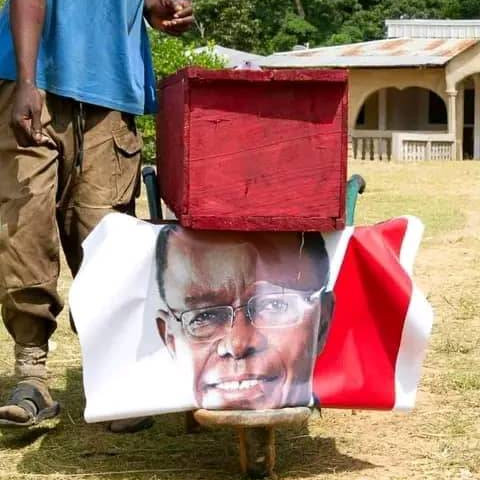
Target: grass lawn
439,440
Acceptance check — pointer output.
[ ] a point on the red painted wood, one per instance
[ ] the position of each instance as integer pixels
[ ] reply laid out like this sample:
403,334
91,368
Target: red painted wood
255,223
292,75
172,147
248,150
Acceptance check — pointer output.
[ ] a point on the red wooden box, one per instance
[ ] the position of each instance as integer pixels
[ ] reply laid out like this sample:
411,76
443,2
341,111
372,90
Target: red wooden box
254,150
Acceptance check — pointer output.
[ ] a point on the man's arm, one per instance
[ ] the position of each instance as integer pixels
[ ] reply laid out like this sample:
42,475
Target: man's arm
27,18
170,16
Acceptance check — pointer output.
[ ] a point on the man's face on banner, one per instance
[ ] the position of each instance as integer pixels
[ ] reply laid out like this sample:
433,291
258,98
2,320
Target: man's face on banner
247,309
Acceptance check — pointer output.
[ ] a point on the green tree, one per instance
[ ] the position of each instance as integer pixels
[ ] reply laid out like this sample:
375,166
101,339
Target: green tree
462,9
369,23
265,26
255,25
231,24
294,30
171,54
329,16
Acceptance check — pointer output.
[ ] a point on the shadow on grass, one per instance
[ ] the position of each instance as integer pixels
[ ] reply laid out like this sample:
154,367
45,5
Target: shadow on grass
68,446
13,438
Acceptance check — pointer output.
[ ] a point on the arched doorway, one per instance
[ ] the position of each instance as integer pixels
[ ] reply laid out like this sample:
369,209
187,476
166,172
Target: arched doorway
411,109
468,132
407,124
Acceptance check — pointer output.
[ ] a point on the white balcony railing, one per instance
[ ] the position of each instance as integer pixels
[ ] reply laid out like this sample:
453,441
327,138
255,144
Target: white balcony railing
371,145
419,146
402,146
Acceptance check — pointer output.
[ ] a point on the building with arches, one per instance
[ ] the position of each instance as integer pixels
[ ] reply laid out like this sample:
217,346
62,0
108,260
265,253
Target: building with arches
414,95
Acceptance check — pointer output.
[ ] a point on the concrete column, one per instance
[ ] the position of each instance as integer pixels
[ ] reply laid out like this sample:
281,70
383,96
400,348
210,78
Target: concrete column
460,122
452,111
452,117
382,109
476,128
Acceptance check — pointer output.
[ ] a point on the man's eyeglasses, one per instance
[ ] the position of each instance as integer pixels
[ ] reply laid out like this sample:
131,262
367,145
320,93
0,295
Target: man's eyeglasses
272,310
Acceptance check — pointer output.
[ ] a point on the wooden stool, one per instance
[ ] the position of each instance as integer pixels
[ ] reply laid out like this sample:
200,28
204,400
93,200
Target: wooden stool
256,431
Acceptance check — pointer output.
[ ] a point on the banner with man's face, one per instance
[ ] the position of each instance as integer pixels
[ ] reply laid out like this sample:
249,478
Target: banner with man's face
172,319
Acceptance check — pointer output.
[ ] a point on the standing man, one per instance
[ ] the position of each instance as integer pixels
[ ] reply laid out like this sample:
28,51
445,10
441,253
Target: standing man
73,74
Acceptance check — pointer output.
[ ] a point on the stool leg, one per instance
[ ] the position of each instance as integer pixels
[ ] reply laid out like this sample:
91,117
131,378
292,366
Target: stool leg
257,451
191,425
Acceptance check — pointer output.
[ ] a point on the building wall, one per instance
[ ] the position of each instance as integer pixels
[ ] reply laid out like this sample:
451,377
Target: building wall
364,82
462,66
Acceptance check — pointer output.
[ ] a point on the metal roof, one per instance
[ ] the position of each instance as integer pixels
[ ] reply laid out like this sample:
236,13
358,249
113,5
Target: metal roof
233,57
399,52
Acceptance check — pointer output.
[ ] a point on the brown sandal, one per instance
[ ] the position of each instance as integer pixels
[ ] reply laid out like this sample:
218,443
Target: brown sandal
30,399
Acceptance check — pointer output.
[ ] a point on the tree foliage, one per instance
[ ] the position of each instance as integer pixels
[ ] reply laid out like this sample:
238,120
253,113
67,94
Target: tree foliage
265,26
228,23
253,25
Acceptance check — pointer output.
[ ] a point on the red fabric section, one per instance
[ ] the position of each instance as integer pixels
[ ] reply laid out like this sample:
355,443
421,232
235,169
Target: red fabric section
393,233
357,366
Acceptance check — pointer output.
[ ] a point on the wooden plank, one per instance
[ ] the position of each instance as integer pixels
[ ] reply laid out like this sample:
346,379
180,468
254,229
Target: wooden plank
269,75
252,418
252,223
257,451
172,141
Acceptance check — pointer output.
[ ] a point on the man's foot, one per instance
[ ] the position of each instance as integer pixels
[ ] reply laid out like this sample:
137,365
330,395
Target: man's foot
29,404
131,425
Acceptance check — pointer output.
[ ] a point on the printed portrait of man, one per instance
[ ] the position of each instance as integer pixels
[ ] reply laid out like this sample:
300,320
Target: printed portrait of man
248,311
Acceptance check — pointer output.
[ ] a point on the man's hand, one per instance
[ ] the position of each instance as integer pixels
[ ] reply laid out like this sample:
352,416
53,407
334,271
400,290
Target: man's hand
27,18
170,16
26,116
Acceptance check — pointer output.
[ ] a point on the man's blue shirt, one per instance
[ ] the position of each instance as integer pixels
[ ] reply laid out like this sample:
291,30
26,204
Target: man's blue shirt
94,51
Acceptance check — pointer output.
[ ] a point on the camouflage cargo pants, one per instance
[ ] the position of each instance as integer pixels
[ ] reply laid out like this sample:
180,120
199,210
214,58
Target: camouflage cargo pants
55,195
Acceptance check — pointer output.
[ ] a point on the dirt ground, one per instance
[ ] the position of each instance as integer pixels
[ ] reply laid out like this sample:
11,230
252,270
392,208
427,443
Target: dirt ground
439,440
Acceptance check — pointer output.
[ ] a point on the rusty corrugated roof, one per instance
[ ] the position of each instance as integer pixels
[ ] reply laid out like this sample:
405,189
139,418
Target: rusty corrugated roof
397,52
232,57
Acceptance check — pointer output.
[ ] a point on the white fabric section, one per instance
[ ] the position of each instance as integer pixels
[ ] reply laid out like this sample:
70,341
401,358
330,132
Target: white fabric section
413,347
336,244
417,326
411,243
126,374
